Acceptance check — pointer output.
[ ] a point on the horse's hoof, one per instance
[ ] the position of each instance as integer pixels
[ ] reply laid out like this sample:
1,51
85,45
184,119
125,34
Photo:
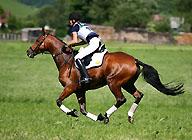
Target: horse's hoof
106,120
130,119
100,117
73,113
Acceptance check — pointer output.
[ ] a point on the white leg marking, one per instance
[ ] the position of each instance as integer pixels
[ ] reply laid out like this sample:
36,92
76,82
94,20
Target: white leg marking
111,110
132,109
65,109
91,116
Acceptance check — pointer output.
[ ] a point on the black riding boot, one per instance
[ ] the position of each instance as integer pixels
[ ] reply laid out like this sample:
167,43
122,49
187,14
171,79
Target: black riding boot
84,74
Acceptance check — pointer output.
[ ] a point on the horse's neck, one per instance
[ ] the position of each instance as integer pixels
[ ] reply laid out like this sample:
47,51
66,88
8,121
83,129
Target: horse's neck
59,57
55,50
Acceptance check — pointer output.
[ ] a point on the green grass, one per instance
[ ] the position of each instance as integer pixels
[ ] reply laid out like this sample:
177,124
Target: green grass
30,87
18,9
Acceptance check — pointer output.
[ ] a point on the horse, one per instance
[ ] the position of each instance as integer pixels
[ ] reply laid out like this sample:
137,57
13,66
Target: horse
119,70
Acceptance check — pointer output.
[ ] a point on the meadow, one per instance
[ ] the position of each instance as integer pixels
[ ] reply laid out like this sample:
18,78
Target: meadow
29,89
18,9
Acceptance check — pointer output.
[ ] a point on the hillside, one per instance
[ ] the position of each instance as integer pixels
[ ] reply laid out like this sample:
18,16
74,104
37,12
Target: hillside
18,9
37,3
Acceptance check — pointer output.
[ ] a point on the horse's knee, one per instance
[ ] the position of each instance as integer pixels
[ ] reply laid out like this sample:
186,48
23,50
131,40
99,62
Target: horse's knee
59,103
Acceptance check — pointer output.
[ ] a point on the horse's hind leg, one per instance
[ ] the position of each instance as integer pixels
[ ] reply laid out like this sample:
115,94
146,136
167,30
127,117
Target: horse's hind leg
116,90
137,95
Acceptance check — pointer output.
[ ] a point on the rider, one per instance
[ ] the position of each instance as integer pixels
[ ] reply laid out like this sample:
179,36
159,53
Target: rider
87,35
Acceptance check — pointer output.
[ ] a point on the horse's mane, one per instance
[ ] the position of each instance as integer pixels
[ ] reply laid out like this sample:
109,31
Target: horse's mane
64,48
57,38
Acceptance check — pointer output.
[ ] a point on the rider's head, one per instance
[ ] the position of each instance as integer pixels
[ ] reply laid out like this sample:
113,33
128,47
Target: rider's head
74,17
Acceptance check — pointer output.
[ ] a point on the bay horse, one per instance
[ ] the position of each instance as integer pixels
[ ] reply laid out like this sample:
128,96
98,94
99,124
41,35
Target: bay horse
119,70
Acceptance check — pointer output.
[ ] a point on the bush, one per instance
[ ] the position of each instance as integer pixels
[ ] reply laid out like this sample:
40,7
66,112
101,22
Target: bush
12,23
159,26
61,32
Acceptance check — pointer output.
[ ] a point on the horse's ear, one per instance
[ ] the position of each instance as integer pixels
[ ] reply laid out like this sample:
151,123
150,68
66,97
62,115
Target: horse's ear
44,31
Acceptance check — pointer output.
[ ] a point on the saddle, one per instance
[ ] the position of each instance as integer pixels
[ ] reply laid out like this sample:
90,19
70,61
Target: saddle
94,59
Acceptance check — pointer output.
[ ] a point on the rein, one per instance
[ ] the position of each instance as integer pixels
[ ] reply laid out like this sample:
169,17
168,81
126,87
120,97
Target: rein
66,61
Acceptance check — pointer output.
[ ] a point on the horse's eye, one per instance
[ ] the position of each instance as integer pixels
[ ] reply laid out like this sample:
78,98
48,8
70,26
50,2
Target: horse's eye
37,40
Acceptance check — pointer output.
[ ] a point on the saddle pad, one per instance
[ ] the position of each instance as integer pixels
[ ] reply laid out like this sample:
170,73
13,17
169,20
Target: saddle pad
96,59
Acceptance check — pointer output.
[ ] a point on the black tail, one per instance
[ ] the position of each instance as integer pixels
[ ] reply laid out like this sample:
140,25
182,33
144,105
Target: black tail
151,76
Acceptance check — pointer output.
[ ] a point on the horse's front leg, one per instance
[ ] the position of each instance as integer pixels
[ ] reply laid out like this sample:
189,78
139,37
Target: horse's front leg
66,92
82,103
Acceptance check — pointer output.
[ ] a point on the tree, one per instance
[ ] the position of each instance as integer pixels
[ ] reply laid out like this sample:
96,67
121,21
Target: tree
61,17
82,7
134,13
2,12
166,7
38,3
100,12
13,23
184,9
54,16
46,16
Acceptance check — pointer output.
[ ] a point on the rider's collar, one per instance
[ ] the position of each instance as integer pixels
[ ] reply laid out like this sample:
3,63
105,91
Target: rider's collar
75,23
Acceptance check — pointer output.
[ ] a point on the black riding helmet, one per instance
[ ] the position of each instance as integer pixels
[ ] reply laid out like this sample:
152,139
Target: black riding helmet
74,16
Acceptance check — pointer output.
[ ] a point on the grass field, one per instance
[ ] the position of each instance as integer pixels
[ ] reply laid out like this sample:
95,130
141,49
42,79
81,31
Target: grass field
30,87
17,9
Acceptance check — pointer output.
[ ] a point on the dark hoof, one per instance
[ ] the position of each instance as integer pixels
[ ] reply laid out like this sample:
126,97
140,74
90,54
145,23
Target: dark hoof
106,119
73,113
100,117
58,103
130,119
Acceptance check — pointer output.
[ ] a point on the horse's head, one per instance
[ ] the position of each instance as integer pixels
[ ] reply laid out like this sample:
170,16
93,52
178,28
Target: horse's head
38,46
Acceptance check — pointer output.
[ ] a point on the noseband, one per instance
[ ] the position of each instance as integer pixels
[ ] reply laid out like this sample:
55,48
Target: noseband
38,46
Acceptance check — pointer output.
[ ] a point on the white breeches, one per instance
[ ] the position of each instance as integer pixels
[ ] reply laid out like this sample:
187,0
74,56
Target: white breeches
93,45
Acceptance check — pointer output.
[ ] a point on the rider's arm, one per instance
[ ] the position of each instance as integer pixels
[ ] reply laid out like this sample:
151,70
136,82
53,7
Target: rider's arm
82,42
74,41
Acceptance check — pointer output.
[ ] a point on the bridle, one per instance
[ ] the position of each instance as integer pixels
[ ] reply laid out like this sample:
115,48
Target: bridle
38,46
66,61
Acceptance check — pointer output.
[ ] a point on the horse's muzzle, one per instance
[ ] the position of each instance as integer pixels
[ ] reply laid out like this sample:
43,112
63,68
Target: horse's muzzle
30,53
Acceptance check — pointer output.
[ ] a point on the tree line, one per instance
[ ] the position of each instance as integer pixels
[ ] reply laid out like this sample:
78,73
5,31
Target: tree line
120,14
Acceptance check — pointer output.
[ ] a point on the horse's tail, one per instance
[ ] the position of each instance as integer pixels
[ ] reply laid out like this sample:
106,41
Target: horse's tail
151,76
